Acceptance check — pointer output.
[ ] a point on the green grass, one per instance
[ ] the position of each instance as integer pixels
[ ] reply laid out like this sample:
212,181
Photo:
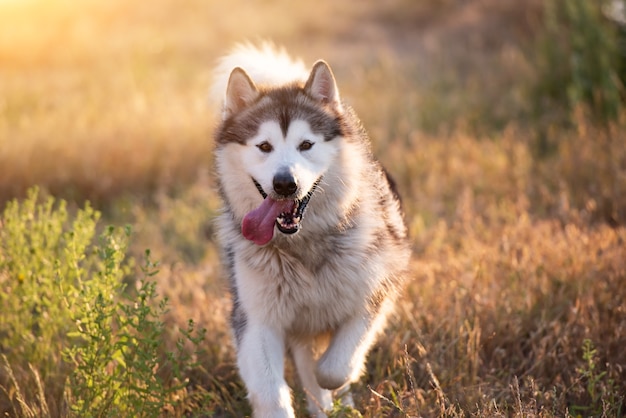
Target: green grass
515,300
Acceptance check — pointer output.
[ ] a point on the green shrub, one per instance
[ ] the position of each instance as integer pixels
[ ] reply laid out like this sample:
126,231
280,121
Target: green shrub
45,261
578,62
71,329
118,357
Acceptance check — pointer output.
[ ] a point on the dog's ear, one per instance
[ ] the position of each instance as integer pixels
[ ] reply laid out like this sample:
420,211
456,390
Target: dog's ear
241,91
322,86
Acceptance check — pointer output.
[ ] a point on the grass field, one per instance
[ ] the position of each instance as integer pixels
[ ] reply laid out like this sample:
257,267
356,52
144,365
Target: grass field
515,305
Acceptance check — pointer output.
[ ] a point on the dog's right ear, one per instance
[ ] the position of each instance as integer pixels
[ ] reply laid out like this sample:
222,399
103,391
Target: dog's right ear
241,91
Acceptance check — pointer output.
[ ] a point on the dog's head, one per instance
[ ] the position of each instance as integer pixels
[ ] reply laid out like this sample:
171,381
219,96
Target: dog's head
277,143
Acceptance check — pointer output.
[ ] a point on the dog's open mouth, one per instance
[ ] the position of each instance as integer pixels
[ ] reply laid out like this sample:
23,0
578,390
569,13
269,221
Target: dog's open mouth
286,214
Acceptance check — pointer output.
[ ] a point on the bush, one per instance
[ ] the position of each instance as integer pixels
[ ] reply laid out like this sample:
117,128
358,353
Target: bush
71,328
578,62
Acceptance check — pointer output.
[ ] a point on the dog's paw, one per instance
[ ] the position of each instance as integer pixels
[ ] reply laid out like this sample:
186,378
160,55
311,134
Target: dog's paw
331,374
272,404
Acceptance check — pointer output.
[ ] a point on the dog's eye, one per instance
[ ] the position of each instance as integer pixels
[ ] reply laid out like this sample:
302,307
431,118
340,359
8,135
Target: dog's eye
265,147
305,145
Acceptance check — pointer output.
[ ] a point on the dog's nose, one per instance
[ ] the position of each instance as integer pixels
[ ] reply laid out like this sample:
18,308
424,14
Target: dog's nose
285,184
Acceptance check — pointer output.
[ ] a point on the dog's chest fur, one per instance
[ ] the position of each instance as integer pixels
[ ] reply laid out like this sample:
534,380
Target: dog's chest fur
311,292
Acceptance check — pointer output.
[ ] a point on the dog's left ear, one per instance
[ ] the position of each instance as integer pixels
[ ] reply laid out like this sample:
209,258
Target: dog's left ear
322,86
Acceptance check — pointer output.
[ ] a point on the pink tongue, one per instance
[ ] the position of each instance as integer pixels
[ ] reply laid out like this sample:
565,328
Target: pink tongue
258,225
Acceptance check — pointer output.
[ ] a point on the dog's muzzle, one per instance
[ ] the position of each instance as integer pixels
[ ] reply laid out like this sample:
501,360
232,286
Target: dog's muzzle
290,222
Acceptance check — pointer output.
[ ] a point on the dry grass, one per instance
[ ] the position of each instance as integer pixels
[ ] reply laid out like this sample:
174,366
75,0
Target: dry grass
517,261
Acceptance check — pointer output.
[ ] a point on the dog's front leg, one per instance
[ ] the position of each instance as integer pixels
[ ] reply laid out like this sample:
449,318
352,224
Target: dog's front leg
260,358
318,399
343,361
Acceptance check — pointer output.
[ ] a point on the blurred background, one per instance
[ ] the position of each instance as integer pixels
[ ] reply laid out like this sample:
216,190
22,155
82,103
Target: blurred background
503,122
101,99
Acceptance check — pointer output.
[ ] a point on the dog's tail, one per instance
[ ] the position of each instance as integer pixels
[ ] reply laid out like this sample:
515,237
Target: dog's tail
265,64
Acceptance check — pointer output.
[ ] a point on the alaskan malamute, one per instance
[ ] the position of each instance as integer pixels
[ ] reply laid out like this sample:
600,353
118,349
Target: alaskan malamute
312,233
